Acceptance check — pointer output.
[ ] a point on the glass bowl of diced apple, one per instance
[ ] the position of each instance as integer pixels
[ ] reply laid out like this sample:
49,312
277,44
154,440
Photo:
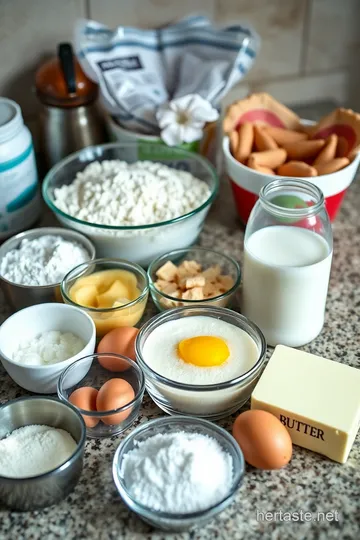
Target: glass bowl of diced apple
114,292
193,276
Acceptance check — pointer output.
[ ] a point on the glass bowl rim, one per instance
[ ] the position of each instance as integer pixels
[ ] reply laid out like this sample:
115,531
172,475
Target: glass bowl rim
214,428
99,414
184,153
194,302
74,456
109,260
172,313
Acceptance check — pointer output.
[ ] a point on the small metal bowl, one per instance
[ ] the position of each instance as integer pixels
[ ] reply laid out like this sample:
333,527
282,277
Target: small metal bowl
49,488
21,296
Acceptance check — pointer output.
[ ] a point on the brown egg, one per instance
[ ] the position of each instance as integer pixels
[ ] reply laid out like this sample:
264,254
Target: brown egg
118,341
115,393
85,398
263,439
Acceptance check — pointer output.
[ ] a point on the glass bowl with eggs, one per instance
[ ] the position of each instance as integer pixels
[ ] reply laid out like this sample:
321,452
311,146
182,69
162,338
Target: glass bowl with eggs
194,276
134,201
113,292
202,361
108,396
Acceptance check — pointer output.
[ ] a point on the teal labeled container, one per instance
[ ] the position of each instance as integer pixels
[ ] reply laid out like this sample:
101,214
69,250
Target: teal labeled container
20,201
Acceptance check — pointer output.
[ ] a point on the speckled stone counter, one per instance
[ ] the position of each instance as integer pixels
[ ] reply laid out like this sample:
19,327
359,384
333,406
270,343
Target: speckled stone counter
310,483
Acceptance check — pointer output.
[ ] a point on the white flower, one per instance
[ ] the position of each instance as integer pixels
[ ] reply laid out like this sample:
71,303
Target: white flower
183,119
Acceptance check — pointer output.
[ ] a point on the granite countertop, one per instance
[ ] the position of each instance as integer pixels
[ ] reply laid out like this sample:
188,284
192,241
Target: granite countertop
309,483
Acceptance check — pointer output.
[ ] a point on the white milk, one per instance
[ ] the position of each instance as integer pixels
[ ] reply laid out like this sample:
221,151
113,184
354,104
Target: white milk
286,277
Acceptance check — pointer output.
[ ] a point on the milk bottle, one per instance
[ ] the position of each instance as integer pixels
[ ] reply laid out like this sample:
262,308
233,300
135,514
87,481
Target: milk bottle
287,261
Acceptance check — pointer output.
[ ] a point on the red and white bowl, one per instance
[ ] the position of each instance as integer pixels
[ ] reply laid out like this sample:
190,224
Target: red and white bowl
246,184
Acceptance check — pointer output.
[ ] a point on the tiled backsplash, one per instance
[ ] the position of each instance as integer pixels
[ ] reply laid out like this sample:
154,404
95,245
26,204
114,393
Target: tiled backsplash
309,47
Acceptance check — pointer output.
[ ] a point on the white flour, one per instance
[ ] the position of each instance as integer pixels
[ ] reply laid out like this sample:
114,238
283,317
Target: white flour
117,193
42,261
33,450
178,472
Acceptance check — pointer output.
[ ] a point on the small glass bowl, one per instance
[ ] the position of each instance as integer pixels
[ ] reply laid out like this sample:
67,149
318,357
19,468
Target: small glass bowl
210,401
165,520
107,319
95,375
205,257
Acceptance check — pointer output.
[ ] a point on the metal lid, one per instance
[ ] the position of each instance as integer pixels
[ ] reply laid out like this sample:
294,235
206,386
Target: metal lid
61,82
11,120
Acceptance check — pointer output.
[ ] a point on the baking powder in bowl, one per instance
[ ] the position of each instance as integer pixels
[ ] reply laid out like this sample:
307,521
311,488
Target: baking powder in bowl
42,261
178,473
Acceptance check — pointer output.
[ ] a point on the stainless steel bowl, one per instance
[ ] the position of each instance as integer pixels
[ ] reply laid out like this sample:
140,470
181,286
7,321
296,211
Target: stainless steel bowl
48,488
21,296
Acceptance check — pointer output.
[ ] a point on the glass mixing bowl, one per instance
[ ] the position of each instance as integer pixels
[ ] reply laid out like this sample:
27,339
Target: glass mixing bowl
140,244
210,401
165,520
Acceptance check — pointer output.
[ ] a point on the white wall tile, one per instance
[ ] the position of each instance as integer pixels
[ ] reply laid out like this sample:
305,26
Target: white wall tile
280,24
334,35
29,32
308,88
147,13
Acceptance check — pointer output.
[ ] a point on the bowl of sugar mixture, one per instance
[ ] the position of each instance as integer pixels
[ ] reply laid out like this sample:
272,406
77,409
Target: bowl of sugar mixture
39,342
42,444
33,264
134,201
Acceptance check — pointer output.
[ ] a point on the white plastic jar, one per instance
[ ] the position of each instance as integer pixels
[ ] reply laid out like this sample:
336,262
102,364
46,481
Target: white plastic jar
19,190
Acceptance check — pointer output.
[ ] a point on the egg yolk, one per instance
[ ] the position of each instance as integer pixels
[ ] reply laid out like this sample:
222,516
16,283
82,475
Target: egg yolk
203,351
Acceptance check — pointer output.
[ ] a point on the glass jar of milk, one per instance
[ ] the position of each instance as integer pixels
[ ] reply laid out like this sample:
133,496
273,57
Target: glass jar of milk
287,259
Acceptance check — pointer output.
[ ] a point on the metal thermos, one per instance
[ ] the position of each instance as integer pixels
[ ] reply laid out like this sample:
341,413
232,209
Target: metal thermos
70,118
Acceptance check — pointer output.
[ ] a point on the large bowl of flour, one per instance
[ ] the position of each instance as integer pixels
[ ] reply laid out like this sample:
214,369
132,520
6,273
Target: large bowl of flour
135,202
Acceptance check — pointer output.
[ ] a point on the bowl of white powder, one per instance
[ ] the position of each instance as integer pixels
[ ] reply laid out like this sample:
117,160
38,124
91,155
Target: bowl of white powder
178,472
134,201
33,264
41,452
39,342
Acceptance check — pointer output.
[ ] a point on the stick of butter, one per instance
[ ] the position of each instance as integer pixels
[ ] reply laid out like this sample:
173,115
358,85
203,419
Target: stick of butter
318,400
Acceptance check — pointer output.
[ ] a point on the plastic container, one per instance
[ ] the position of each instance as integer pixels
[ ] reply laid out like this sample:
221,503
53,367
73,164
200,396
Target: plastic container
170,521
246,184
210,401
141,243
19,191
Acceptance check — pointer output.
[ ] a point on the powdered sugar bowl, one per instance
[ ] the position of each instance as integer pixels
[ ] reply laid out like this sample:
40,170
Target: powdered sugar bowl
21,295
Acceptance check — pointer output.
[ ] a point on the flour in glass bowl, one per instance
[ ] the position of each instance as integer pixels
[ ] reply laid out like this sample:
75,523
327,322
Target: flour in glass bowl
117,193
42,261
178,472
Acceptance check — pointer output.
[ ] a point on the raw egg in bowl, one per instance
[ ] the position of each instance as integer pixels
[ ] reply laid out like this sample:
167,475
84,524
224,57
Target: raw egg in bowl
202,361
108,400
